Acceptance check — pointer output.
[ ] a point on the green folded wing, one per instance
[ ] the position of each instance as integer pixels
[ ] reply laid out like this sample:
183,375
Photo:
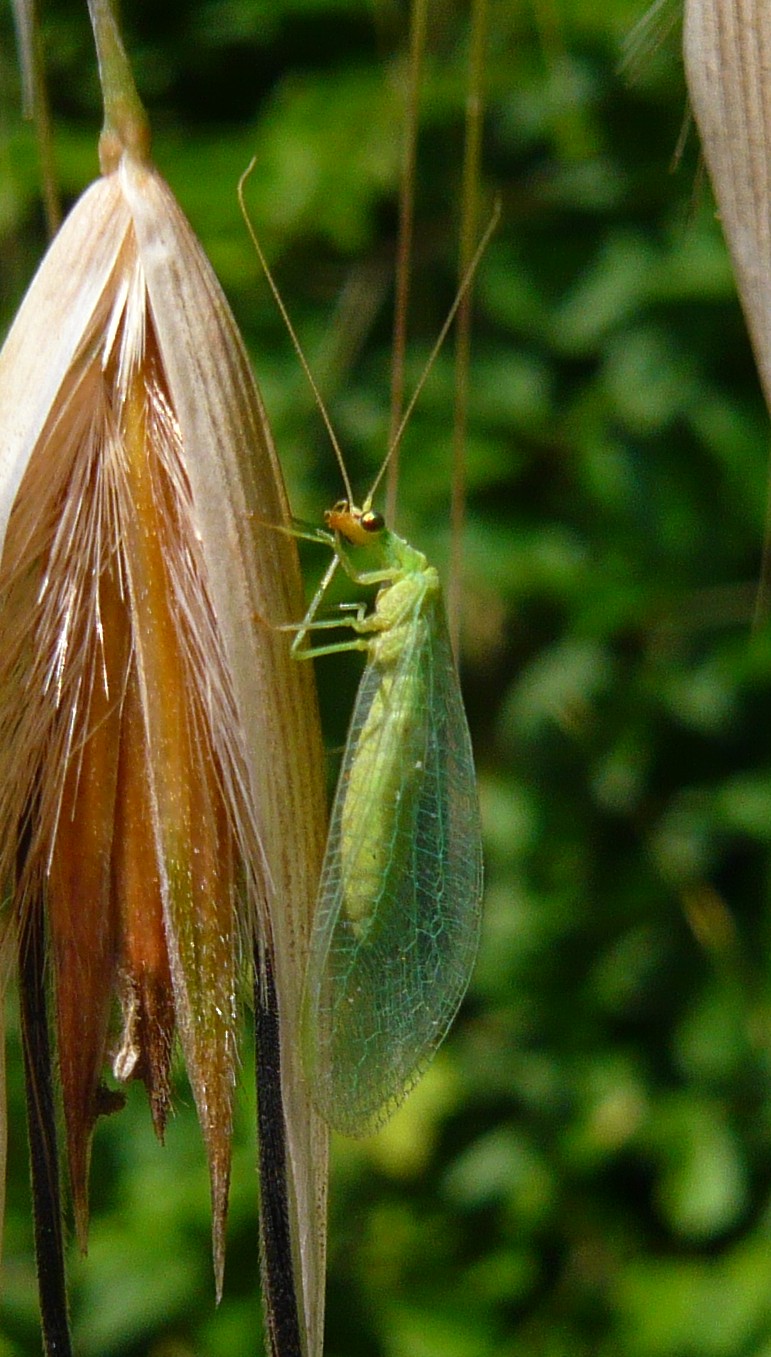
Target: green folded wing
397,921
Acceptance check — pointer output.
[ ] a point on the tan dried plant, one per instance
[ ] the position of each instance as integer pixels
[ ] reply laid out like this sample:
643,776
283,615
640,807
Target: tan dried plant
160,756
728,69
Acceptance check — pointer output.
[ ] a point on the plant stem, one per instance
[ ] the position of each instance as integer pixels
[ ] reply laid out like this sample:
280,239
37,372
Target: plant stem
126,128
278,1280
41,1124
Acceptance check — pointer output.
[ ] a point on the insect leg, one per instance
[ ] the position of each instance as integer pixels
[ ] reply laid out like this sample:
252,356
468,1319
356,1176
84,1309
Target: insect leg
305,532
308,621
327,624
313,652
367,577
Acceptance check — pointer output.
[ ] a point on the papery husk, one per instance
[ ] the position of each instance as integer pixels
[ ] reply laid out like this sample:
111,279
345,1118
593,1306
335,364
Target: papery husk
251,572
727,45
218,407
71,288
34,363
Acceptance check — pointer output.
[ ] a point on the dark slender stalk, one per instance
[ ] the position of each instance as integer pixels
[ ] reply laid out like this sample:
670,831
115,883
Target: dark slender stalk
278,1279
763,595
41,1129
36,105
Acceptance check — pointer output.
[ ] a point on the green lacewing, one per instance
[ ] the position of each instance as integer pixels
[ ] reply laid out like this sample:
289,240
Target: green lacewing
397,919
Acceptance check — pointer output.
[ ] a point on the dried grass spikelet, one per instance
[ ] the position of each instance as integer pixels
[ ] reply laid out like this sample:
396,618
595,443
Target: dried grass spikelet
728,68
160,758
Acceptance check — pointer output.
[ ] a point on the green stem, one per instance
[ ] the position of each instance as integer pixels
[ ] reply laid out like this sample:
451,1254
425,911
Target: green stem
126,128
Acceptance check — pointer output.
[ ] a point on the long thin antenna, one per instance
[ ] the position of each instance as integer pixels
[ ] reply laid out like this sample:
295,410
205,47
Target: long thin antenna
464,285
472,154
404,251
292,333
465,282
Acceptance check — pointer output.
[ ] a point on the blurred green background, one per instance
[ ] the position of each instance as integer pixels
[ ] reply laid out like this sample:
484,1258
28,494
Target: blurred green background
586,1168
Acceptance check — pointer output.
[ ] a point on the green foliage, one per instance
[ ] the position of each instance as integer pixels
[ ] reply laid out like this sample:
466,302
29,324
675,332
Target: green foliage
586,1170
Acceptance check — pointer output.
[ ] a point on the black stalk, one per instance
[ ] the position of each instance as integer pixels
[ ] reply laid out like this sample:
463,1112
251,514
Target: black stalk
278,1279
41,1130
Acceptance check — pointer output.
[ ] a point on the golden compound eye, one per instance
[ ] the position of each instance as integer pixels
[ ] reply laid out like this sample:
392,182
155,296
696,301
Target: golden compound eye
372,522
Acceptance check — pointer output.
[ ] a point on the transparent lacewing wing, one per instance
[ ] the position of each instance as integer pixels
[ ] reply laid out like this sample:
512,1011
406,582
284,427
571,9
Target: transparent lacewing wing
397,920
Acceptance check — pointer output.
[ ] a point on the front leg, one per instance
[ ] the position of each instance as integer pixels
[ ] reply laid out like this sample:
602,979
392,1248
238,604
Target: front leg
367,578
360,622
